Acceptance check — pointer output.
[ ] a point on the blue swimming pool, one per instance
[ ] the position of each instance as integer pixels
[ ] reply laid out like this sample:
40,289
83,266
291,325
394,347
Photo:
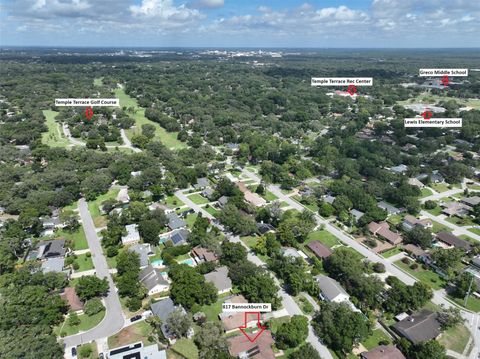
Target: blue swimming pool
188,261
157,263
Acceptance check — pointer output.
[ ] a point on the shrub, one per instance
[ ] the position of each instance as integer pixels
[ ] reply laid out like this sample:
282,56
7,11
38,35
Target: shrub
76,266
414,266
378,267
88,254
112,251
134,304
93,306
85,351
73,319
406,260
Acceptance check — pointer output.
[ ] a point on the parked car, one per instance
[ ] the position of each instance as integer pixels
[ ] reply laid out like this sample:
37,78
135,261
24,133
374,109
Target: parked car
74,352
135,318
100,356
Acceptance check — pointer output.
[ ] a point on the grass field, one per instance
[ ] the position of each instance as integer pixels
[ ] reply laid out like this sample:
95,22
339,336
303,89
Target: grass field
212,211
425,192
84,262
198,199
190,219
86,322
439,187
169,139
432,99
97,81
435,211
466,221
269,196
438,227
173,201
54,137
455,338
473,303
131,334
425,276
323,236
391,252
475,230
78,238
94,207
373,340
186,348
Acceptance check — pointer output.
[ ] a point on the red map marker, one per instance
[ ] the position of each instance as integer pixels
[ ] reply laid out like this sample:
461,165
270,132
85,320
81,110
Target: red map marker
89,113
252,337
352,90
427,115
445,80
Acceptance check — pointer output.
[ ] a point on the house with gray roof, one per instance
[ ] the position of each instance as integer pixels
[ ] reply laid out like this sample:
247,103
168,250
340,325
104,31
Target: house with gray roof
391,210
163,309
143,250
356,214
400,169
419,327
132,236
137,351
201,183
174,221
222,201
219,278
154,280
51,249
331,290
53,265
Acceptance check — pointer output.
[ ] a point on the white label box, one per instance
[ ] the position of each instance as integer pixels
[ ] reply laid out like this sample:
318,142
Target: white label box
433,122
247,307
90,102
342,81
442,72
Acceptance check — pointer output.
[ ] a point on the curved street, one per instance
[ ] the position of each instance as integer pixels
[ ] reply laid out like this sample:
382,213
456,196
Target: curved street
114,319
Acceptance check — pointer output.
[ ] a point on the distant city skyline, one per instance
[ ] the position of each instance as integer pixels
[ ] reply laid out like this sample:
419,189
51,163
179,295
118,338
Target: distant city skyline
246,23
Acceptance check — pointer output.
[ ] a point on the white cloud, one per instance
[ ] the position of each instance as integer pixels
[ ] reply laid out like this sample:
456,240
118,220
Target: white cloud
210,4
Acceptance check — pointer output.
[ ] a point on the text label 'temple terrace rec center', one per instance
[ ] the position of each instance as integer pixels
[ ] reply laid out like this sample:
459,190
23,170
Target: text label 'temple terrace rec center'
342,81
72,102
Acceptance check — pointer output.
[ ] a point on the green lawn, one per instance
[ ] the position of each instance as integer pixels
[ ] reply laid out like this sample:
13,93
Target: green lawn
173,201
131,334
426,97
198,199
438,227
425,192
455,338
440,187
54,137
169,139
374,340
186,348
213,310
395,219
473,186
212,211
97,81
425,276
84,262
94,206
473,303
323,236
251,241
190,219
467,238
269,196
77,238
475,230
391,252
466,221
435,211
86,322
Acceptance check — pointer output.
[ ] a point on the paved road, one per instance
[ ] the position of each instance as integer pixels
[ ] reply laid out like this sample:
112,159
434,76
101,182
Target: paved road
127,143
114,319
471,319
288,303
456,229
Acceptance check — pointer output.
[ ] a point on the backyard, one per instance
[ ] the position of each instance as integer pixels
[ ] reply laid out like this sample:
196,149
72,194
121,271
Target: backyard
131,334
374,340
78,239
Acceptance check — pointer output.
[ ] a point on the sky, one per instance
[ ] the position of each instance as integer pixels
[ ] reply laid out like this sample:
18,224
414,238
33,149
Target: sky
241,23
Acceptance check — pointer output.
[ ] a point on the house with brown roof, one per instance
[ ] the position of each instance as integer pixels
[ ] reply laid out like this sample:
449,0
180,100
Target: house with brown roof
319,249
202,255
231,321
383,231
383,352
70,296
410,222
252,198
453,241
456,209
241,347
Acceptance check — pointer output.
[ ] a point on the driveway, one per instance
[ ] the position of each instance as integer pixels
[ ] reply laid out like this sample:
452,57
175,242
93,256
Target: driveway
114,319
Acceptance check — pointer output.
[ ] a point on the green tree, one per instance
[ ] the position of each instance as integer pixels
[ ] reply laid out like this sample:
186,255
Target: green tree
292,333
463,283
179,323
89,287
149,230
305,351
73,319
211,342
93,306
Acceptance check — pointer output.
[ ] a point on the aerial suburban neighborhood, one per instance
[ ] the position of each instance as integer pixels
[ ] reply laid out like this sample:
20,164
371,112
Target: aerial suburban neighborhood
229,202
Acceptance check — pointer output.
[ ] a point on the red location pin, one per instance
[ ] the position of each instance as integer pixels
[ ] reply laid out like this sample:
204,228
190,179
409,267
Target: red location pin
427,115
445,80
89,113
352,90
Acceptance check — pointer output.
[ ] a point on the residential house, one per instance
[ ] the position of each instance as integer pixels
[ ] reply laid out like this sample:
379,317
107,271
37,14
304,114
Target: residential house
356,214
50,224
382,230
51,249
137,351
123,196
56,265
456,209
241,347
202,183
319,249
329,199
161,206
231,321
252,198
383,352
419,327
331,290
208,193
201,255
219,278
132,235
222,201
471,201
436,177
178,237
74,302
163,309
291,252
410,222
416,252
453,241
232,146
415,182
391,210
174,221
263,228
154,280
143,250
400,169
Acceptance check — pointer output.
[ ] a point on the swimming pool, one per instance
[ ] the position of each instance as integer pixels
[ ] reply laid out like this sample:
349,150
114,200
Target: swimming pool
188,261
157,263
